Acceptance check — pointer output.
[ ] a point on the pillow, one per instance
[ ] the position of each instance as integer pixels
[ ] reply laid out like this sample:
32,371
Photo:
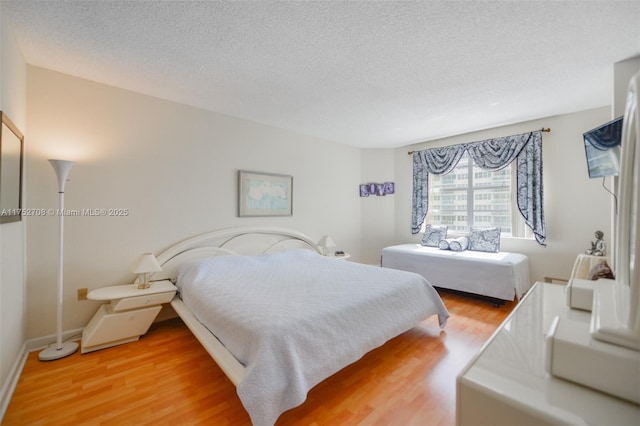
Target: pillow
433,235
445,243
459,244
601,270
484,239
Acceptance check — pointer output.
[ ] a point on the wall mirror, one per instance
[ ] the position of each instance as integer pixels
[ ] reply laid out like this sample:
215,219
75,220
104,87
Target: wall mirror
11,159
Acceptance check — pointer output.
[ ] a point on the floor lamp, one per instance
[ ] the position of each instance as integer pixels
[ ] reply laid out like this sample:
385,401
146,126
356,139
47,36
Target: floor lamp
60,350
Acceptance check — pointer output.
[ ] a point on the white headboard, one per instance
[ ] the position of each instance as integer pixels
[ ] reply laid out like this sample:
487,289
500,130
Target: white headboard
230,241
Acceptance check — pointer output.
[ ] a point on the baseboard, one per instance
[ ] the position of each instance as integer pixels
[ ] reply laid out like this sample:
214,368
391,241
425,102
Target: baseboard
12,380
43,342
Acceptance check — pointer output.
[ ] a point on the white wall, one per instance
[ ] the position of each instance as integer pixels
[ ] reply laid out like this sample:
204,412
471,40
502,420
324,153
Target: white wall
378,212
175,168
12,260
575,206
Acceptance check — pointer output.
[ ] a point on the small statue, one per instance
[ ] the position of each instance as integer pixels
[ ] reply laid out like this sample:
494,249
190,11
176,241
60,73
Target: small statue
598,247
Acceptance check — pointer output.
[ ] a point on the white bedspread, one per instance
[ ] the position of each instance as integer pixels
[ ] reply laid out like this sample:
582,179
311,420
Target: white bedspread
500,275
295,318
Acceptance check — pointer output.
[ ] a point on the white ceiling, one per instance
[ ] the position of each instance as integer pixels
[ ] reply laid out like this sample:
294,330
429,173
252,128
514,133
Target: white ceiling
367,73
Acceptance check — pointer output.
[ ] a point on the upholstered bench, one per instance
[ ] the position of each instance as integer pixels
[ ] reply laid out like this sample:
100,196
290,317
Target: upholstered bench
500,275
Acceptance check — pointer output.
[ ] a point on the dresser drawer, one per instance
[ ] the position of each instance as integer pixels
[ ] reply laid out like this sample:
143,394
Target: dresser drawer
142,301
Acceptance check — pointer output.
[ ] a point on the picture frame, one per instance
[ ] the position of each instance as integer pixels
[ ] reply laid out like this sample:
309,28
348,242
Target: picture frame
11,165
382,189
264,194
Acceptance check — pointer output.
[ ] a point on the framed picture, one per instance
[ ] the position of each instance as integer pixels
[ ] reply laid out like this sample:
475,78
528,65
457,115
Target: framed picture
11,159
264,194
386,188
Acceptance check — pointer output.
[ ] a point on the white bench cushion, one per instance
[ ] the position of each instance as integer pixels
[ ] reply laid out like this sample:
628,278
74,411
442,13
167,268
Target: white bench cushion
499,275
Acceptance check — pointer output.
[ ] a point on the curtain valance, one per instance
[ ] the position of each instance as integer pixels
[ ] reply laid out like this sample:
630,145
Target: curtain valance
492,155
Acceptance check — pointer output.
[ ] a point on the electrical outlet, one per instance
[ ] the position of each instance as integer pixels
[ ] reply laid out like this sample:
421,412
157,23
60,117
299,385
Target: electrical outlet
82,294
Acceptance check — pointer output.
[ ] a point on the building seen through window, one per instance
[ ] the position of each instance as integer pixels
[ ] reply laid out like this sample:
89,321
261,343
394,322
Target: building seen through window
469,196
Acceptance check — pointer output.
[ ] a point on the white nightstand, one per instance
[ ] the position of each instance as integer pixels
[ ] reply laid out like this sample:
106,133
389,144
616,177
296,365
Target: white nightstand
128,315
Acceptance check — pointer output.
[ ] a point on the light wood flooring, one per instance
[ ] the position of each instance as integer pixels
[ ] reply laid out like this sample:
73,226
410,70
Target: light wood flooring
167,378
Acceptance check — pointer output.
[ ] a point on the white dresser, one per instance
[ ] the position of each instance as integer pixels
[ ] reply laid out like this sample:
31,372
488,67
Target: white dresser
507,384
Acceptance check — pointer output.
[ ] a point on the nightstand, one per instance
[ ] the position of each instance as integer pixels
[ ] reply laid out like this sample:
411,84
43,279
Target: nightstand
127,316
340,256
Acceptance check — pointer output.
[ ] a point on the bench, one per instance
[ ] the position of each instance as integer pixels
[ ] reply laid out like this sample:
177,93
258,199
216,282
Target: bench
501,275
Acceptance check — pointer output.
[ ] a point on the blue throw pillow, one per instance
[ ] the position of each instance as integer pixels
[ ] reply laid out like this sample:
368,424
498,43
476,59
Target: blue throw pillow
459,244
444,244
484,239
433,235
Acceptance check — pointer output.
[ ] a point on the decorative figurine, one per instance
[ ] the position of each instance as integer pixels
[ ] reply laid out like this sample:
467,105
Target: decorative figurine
598,247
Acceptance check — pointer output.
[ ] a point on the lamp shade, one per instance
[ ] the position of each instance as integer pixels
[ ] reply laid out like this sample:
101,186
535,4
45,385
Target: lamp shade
145,263
326,242
61,168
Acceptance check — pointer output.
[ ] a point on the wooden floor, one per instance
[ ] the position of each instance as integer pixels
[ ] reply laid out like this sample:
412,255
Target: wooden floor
167,378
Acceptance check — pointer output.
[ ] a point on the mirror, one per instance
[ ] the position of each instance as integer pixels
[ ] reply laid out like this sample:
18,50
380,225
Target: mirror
11,156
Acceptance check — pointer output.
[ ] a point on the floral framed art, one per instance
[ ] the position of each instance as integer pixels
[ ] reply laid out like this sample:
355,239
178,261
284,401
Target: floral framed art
264,194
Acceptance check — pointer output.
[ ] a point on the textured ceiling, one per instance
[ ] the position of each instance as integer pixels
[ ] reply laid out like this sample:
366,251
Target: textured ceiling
368,74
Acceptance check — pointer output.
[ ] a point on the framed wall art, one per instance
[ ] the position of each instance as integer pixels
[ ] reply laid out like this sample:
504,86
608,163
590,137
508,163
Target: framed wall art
386,188
11,159
264,194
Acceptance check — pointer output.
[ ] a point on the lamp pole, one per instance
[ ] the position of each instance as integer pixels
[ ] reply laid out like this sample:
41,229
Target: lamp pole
60,350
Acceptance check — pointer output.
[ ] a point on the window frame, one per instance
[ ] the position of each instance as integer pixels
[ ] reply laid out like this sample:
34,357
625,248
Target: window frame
519,229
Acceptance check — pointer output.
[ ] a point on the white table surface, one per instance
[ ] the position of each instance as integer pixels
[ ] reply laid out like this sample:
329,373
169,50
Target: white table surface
511,367
130,290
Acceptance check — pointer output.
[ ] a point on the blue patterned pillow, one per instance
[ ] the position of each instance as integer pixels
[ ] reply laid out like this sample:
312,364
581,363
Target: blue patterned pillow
459,244
444,243
484,239
433,235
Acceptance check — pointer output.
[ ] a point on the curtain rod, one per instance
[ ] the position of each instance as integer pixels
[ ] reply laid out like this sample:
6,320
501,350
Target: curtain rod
546,130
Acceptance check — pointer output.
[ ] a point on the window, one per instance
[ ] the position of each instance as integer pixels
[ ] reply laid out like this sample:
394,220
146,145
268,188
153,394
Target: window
469,196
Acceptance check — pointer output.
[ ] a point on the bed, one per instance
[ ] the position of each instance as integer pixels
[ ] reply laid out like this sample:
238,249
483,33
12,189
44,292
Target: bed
278,317
499,276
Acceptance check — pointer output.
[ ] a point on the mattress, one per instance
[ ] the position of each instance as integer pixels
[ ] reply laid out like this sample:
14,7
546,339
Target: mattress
501,275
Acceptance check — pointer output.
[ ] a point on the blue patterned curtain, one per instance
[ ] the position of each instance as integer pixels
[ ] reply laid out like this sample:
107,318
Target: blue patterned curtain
437,161
492,155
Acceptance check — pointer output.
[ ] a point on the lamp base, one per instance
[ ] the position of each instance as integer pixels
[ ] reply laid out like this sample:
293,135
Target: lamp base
52,353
